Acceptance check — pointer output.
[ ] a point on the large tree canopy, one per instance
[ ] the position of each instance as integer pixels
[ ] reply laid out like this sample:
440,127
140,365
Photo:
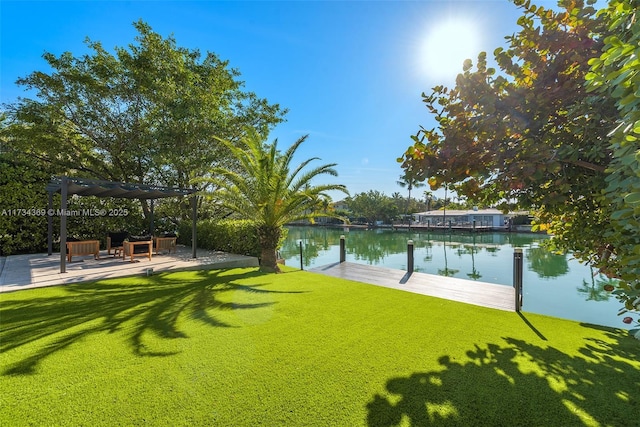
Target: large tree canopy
616,74
147,114
373,206
533,136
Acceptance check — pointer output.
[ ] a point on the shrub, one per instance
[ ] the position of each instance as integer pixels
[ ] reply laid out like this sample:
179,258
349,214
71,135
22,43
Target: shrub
22,191
228,235
99,216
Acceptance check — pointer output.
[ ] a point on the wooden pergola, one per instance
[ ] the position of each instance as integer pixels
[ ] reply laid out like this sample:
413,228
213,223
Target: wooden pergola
89,187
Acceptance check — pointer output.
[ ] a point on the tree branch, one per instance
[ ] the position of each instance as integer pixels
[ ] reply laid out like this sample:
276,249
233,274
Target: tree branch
586,165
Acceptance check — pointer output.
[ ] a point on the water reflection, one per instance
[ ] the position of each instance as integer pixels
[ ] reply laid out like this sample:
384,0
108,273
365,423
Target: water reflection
446,271
314,239
594,289
448,254
554,284
545,263
471,249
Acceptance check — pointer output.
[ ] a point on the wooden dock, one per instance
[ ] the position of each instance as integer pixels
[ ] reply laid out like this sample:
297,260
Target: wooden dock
483,294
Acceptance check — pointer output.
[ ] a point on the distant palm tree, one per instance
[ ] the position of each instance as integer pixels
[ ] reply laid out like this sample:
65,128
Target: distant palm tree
408,180
428,196
263,188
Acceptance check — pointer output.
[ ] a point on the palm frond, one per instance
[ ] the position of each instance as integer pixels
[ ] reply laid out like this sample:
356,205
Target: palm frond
263,187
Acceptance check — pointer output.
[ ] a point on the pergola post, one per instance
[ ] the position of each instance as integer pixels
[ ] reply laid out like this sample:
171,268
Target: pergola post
194,213
151,224
63,225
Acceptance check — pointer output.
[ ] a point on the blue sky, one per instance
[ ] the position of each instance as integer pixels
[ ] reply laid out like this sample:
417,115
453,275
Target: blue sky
350,72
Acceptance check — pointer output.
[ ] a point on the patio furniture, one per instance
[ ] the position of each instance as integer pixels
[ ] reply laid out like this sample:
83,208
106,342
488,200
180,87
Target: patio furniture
83,247
138,246
115,242
67,186
165,243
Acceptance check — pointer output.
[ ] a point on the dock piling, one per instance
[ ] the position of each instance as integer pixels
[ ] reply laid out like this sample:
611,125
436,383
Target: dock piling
517,277
301,264
410,256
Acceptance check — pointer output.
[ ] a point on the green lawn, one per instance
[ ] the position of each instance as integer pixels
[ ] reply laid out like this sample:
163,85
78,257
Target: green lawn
241,348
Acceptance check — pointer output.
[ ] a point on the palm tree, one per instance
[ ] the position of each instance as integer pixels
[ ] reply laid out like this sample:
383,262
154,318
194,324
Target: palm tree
408,180
428,196
263,188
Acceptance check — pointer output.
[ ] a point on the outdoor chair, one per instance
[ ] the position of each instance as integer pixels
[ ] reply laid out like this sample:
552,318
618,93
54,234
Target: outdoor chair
166,242
138,246
115,242
82,247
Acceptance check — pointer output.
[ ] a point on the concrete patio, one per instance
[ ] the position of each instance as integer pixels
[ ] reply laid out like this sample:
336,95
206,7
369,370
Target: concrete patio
19,272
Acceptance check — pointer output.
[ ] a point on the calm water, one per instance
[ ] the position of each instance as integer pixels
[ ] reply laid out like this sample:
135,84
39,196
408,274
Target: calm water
555,285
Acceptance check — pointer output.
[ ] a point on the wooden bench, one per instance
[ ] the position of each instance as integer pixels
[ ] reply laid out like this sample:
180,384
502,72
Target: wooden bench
165,244
83,247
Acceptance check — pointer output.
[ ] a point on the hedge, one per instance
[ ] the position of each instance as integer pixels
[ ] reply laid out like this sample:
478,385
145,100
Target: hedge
228,235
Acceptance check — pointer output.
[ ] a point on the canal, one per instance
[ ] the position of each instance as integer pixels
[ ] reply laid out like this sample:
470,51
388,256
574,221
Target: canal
554,285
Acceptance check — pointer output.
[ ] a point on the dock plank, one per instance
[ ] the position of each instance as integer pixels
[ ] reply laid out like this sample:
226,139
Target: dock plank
483,294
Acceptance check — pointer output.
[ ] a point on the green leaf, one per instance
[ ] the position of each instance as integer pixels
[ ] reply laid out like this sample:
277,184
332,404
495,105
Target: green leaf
591,76
629,100
632,198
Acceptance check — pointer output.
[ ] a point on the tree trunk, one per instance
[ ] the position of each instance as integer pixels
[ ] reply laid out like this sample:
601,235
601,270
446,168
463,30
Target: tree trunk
269,238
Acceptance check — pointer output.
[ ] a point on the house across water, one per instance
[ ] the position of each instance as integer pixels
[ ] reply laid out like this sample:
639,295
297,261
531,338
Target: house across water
478,218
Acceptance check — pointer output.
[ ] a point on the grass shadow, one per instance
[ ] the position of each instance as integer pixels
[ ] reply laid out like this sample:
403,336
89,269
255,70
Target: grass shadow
533,328
515,382
138,306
